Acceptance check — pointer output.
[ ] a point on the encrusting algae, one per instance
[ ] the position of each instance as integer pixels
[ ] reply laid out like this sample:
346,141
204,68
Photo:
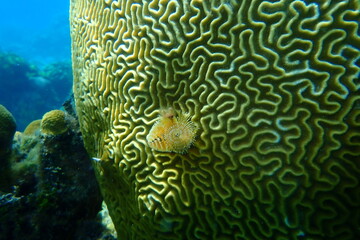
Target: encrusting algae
172,132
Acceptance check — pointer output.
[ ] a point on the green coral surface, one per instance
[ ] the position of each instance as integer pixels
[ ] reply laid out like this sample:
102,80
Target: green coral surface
7,130
273,87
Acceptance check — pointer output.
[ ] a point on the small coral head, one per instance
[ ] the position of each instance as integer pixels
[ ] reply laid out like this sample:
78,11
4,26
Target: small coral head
172,132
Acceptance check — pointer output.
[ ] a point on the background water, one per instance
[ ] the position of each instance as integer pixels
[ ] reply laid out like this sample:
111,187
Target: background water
35,59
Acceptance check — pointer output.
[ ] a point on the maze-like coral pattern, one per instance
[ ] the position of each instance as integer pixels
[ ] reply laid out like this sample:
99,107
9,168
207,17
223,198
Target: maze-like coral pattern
273,87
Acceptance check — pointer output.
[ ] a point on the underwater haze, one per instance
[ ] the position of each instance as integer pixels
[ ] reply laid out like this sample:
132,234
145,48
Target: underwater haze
38,30
35,58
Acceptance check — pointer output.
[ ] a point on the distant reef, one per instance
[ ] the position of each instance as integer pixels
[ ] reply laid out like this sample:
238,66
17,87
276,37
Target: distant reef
28,91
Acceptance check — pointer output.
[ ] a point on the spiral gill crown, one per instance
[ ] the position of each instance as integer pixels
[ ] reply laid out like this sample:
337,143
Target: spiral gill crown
172,132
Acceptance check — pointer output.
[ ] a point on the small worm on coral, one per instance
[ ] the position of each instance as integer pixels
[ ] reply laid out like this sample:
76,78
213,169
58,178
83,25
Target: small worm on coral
172,132
96,159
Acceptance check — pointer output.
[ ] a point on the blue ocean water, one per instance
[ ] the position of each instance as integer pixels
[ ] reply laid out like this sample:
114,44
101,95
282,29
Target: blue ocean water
35,57
38,30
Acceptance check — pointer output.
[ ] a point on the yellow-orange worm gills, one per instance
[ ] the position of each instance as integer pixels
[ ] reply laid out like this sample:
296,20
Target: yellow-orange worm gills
173,132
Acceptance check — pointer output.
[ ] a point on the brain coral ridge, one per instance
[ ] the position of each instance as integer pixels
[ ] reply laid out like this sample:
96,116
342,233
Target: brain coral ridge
273,87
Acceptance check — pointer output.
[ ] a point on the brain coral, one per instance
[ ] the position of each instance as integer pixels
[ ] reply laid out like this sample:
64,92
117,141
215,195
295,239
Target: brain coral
7,129
54,123
273,87
32,128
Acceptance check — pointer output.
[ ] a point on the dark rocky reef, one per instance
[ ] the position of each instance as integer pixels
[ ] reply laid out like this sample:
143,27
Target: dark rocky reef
53,193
